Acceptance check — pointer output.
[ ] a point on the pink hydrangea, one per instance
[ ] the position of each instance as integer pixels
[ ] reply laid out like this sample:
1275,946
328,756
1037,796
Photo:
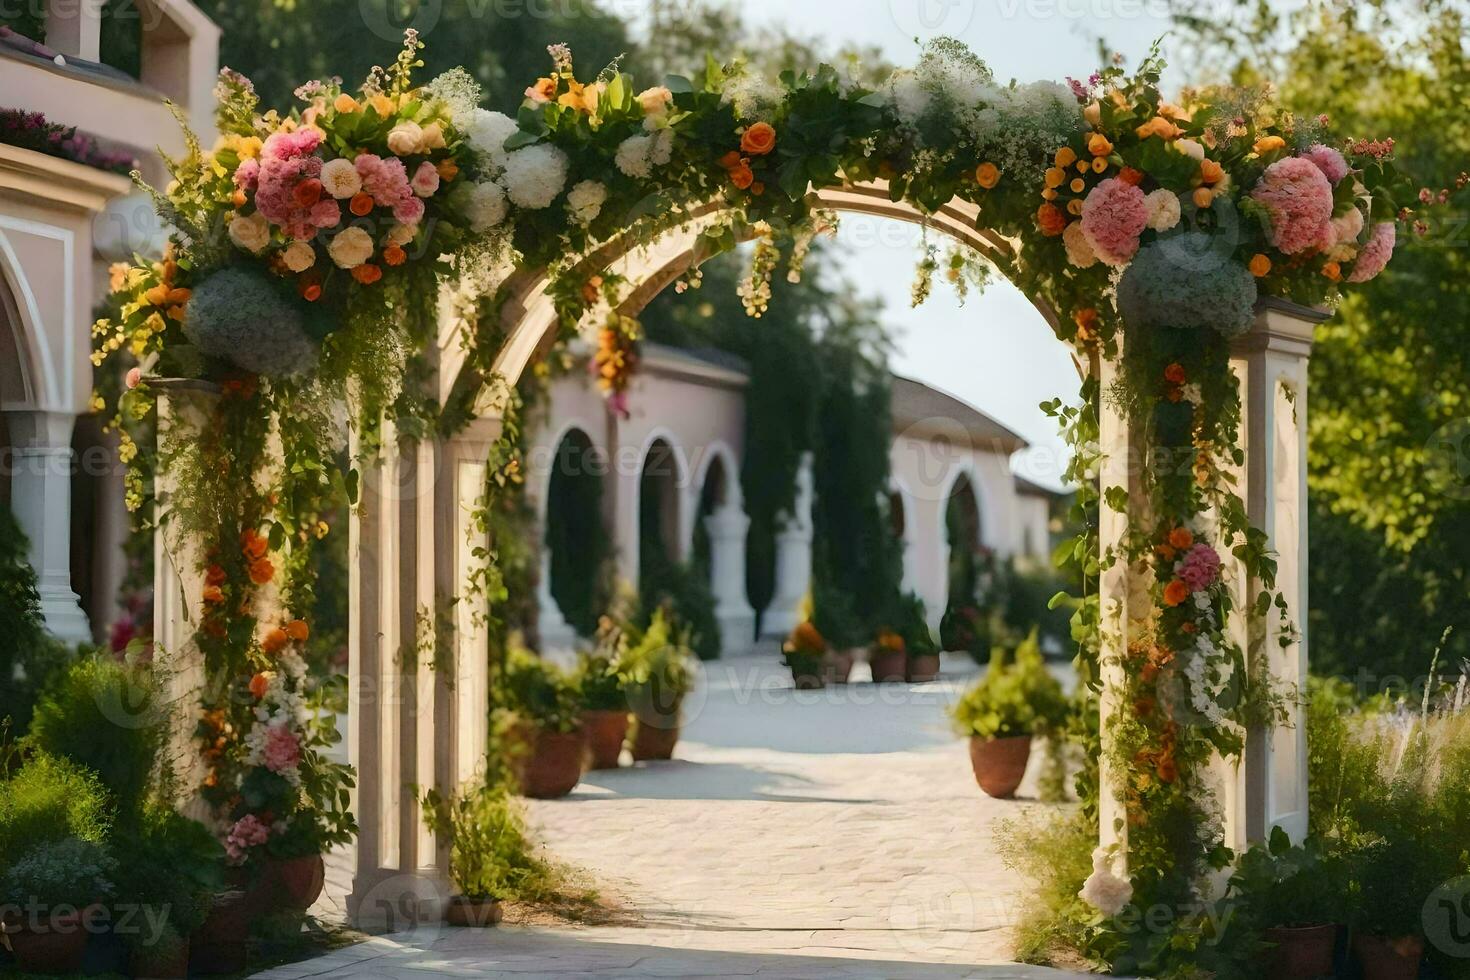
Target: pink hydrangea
1113,216
247,173
385,180
425,179
1298,202
289,191
249,831
409,211
282,749
1376,253
1328,160
1199,568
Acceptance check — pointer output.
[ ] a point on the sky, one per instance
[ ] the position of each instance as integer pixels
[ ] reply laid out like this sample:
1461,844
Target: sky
994,352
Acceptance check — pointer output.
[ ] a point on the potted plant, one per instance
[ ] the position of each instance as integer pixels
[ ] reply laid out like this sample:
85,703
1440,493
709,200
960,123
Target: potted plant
660,675
1393,875
805,652
601,680
171,867
923,654
478,823
55,886
1294,896
888,657
548,705
831,615
1002,712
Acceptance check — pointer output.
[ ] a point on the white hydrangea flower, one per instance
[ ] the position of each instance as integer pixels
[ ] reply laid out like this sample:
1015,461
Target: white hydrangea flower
585,199
351,247
535,175
752,94
1079,250
487,132
1163,209
632,157
485,205
662,147
251,232
1103,890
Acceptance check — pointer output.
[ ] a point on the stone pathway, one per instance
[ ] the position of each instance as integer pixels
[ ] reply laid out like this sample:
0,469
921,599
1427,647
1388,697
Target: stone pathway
796,834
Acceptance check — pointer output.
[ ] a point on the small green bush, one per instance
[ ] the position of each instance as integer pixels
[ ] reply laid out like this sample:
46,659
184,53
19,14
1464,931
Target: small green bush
660,671
540,692
683,593
601,681
1019,698
1281,884
69,871
49,799
489,853
108,717
168,864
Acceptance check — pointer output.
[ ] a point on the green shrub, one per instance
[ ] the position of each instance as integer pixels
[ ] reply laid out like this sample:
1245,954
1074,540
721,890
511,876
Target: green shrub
540,692
683,593
29,656
912,624
108,717
602,682
1278,883
49,799
660,671
69,871
489,854
1019,698
169,865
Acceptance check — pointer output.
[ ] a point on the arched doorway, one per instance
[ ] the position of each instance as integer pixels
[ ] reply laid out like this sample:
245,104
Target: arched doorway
658,511
575,535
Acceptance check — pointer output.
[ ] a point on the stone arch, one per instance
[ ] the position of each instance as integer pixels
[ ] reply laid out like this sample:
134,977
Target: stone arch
27,377
901,521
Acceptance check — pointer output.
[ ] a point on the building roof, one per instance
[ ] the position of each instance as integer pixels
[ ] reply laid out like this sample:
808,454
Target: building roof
925,412
697,365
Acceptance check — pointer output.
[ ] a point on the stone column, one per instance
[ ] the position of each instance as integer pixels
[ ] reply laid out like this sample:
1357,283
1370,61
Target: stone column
1274,356
727,528
793,559
40,498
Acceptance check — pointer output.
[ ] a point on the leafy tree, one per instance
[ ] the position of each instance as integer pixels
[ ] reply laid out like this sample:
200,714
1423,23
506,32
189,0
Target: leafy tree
1390,376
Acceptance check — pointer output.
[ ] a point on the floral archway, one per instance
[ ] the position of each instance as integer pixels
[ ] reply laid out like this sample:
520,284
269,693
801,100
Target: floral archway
384,261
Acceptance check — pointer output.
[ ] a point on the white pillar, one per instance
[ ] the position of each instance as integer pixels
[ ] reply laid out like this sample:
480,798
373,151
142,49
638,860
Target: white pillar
1275,354
727,529
40,498
75,28
793,559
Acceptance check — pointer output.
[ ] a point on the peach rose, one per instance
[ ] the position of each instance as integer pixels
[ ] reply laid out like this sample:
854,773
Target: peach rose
1050,219
758,139
1099,145
987,175
742,176
1259,265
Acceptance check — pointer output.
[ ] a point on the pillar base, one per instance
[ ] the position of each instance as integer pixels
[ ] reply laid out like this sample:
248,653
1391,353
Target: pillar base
63,616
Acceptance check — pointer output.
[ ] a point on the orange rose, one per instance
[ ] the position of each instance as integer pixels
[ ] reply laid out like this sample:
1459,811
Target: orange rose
758,188
262,571
1332,271
1203,197
1130,175
1074,207
311,291
259,683
212,593
1099,145
1175,395
447,170
1210,172
298,630
214,575
361,204
394,255
367,273
1100,164
1268,144
742,176
889,640
1050,219
238,199
730,160
1175,373
345,103
542,91
806,637
1077,185
1168,769
987,175
758,139
1175,593
1181,538
1260,265
252,545
274,641
1065,157
1160,127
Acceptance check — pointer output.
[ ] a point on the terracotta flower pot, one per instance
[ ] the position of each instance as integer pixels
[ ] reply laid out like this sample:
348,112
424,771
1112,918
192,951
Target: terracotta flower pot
1000,763
924,667
169,963
218,945
606,732
1303,953
294,883
837,664
889,666
555,765
1389,959
465,911
653,743
49,944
